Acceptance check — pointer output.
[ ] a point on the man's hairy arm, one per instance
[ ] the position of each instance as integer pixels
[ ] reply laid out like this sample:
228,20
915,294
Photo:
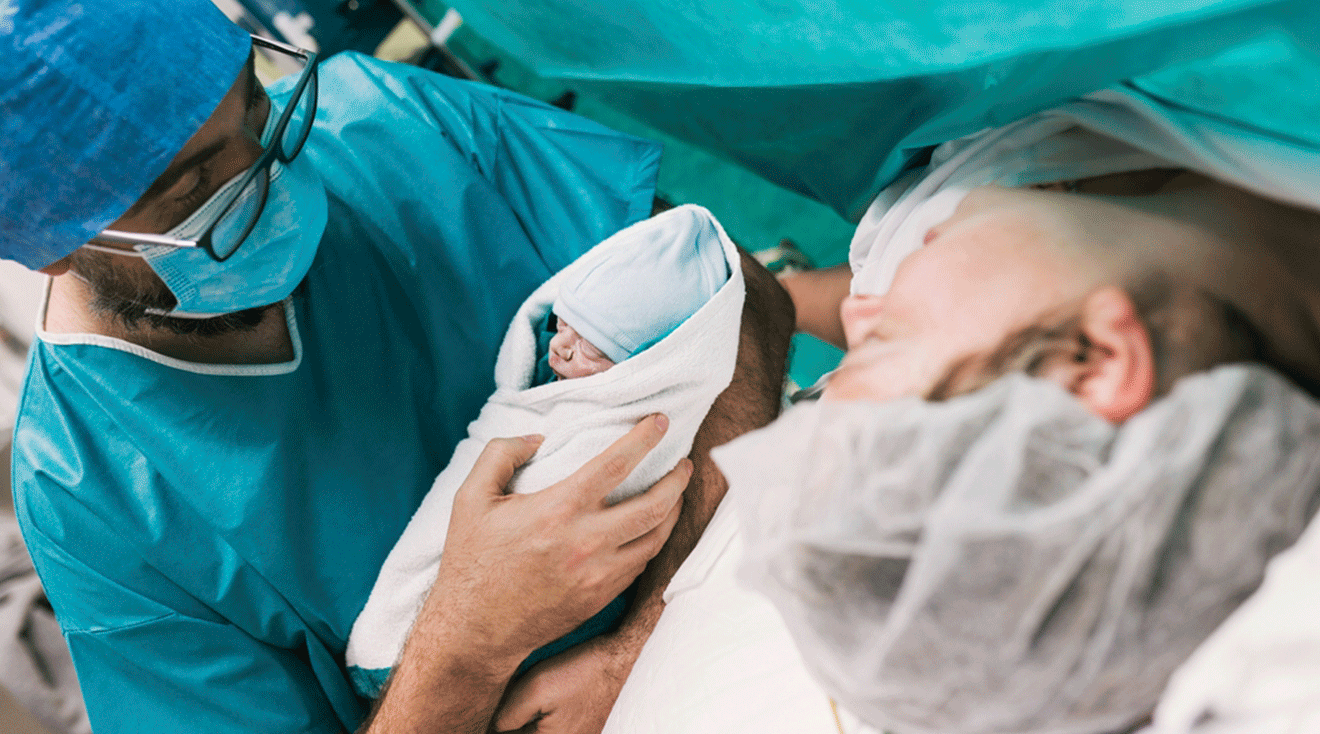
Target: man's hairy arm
518,571
574,692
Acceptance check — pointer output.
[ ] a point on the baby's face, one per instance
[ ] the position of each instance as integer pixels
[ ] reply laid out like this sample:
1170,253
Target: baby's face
573,356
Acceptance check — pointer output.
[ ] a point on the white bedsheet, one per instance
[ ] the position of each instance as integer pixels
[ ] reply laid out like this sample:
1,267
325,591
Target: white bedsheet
1259,673
721,661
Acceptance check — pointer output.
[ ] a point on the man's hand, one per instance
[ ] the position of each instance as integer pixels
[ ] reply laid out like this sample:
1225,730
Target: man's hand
571,693
522,570
519,571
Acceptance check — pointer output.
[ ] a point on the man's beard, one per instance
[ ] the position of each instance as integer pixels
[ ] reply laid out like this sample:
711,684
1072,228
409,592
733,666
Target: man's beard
128,297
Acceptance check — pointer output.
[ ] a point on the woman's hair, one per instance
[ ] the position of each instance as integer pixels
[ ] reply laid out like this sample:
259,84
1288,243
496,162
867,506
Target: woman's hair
1190,330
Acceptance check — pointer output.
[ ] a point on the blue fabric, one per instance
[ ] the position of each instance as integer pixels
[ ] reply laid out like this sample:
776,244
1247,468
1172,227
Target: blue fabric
836,98
208,537
96,97
545,332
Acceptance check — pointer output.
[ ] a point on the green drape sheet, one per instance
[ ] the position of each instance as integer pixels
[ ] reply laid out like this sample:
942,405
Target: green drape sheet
836,98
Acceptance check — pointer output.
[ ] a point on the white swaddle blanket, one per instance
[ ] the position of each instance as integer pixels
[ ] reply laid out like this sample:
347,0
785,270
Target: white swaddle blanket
680,376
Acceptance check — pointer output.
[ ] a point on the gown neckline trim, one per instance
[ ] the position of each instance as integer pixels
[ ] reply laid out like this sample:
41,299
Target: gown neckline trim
201,368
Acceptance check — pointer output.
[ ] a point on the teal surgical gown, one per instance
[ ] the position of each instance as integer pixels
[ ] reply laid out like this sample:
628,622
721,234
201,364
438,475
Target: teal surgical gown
206,534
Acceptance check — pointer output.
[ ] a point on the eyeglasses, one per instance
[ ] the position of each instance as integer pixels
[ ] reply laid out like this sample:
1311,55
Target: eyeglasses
239,214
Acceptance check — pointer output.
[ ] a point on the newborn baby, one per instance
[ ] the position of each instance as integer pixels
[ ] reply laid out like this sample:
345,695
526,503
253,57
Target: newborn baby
646,322
618,308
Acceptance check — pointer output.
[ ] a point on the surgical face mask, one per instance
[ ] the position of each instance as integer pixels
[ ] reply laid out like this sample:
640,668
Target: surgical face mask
271,262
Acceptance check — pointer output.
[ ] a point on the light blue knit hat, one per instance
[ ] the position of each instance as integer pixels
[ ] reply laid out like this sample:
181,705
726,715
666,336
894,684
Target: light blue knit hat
658,273
96,98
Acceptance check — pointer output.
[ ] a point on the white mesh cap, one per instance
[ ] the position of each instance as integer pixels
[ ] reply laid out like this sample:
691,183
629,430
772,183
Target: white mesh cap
1008,562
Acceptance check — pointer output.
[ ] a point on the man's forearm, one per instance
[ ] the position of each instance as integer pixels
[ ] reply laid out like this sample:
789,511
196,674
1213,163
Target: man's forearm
751,401
431,690
452,700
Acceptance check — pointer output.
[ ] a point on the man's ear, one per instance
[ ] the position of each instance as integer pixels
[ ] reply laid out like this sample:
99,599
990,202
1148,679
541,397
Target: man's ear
1113,371
59,267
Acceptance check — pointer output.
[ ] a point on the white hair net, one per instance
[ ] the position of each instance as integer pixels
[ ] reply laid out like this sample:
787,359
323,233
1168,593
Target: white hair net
1007,561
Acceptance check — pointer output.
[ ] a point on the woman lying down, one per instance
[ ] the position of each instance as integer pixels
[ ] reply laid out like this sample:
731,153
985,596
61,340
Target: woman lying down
953,553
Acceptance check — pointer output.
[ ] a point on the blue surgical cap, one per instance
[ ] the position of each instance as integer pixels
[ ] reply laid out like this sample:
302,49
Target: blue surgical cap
96,98
658,273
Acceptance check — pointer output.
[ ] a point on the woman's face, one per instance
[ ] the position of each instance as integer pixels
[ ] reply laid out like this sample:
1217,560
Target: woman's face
993,267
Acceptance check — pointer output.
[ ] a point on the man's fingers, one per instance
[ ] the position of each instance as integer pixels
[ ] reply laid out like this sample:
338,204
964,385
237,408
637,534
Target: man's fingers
641,550
602,474
498,461
519,709
636,516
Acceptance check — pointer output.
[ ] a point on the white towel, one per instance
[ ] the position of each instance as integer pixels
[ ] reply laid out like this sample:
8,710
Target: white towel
680,376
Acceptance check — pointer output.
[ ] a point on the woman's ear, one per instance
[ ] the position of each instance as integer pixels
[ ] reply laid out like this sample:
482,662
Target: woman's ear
1113,370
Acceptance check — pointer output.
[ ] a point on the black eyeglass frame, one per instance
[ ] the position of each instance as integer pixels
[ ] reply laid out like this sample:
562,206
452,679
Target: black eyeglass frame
276,151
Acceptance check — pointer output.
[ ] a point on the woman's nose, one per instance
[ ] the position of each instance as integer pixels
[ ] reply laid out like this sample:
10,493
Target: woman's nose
861,306
857,312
